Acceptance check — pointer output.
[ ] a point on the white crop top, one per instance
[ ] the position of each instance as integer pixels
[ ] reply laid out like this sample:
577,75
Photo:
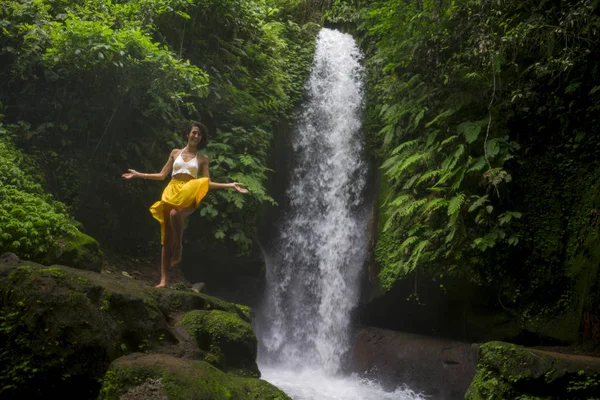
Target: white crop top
182,167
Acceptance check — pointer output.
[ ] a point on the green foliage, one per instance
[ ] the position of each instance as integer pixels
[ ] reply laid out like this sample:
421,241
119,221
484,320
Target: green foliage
31,222
108,86
459,95
258,65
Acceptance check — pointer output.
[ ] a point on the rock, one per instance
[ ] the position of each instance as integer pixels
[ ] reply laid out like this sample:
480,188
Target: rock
159,376
436,367
9,258
81,251
60,328
198,287
228,341
507,371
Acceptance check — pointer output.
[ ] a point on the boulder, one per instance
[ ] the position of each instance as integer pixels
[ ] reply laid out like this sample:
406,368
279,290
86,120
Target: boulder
60,327
81,251
436,367
228,342
159,376
508,371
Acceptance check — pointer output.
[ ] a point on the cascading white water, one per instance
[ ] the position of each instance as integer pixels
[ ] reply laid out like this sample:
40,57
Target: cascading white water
313,268
313,272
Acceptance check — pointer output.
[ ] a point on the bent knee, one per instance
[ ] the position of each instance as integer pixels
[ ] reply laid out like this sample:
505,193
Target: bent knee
174,213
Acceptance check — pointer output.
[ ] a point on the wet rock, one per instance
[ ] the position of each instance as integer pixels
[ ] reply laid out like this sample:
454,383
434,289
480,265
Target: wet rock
440,368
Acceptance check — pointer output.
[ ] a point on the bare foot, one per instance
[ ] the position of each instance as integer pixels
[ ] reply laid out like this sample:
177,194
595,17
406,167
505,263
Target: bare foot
176,259
162,284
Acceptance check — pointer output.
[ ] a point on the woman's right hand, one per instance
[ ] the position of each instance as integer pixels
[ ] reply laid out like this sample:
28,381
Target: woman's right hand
131,174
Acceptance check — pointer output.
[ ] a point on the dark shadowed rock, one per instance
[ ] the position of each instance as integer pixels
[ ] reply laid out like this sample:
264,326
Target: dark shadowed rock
60,328
440,368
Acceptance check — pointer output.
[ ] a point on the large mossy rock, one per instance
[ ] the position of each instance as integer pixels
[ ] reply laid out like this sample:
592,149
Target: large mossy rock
157,376
507,371
228,341
81,251
60,328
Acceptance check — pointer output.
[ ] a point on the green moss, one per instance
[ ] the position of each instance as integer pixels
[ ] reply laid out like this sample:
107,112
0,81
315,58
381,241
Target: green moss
61,327
506,371
182,379
228,341
79,251
115,379
45,343
244,312
486,386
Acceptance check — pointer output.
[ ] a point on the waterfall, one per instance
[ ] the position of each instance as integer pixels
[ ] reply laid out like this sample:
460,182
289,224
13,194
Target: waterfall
313,270
314,262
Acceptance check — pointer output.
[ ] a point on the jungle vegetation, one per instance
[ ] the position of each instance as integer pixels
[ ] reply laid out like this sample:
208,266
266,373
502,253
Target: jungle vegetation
482,116
89,88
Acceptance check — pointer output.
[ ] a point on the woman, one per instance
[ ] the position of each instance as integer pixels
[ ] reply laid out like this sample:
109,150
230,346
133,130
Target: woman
182,195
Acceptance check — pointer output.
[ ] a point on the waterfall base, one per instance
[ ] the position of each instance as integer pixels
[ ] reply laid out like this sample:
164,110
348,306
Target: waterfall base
315,385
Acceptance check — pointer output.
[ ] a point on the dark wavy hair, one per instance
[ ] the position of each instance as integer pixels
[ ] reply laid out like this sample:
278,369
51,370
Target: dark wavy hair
203,131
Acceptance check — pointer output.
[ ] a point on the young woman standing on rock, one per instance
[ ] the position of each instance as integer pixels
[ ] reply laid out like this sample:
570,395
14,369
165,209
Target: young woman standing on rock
182,195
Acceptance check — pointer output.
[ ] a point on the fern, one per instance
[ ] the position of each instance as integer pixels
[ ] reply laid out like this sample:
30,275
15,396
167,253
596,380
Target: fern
478,203
455,203
432,173
418,119
477,165
451,226
388,133
448,140
460,175
410,208
398,169
432,136
409,183
404,145
390,162
433,205
409,241
417,252
443,115
400,200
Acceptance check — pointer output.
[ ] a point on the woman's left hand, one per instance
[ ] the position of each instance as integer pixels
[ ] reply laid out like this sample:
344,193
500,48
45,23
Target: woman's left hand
238,186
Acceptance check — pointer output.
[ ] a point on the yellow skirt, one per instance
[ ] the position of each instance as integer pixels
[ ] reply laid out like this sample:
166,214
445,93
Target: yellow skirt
178,194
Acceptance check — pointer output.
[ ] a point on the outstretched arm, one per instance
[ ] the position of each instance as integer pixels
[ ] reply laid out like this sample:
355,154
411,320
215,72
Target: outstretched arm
215,185
155,177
